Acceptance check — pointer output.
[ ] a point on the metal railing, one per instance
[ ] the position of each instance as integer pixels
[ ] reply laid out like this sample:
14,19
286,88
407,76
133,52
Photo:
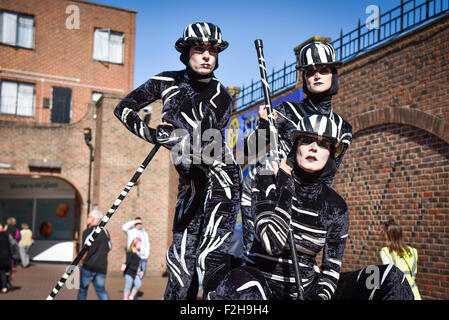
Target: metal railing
403,18
406,16
278,81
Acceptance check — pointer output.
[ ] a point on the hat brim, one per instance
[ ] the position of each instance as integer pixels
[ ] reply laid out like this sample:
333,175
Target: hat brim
183,43
336,64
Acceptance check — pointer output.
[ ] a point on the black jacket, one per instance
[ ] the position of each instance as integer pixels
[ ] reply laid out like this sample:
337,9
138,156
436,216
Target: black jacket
5,251
97,256
132,264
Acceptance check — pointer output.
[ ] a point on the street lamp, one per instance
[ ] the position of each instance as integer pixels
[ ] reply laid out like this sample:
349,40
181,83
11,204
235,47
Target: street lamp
87,138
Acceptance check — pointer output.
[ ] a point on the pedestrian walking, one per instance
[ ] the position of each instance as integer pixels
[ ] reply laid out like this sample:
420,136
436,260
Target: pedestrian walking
14,233
95,262
132,270
134,229
5,260
24,244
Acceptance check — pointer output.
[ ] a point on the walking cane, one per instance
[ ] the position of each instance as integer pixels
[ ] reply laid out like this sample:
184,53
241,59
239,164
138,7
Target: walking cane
275,145
90,240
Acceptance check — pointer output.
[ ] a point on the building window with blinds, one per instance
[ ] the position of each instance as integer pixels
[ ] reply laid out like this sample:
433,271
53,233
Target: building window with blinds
17,29
17,98
108,46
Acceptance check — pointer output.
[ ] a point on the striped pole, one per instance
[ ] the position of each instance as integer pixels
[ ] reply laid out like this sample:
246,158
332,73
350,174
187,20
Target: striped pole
274,137
267,95
100,227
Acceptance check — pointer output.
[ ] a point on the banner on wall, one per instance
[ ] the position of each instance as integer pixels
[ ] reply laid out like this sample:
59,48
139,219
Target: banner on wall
21,187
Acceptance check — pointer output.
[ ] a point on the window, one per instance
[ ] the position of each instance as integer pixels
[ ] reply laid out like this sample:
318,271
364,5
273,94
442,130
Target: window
108,46
17,29
17,98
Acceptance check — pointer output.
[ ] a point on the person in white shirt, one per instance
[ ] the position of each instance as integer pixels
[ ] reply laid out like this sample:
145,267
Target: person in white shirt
134,229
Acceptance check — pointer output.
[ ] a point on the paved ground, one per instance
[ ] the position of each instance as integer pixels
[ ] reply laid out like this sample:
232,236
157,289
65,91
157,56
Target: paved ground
37,281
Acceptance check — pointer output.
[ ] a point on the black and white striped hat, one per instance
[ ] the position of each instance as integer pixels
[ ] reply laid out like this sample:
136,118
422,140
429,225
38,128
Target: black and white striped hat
317,53
201,33
318,125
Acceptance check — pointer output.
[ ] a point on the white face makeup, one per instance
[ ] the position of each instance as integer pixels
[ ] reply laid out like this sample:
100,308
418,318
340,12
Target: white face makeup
203,59
312,154
319,80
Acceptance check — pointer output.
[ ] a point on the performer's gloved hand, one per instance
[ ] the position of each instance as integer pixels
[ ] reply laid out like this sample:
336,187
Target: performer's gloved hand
263,114
168,136
284,166
163,132
149,133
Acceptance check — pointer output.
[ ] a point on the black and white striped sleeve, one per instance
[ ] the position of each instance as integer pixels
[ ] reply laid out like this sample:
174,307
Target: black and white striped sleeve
127,109
272,203
333,254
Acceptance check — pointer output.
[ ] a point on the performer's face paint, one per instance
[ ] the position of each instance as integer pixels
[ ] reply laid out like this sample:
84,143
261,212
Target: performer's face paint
318,80
203,59
312,153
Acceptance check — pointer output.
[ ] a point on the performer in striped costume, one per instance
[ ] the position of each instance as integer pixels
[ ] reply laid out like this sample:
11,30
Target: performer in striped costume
295,196
209,188
320,83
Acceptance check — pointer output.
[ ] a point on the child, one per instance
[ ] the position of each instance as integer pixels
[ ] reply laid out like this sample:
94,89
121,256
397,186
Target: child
132,270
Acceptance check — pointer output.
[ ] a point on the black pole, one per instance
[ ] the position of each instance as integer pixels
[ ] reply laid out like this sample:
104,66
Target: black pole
91,159
106,218
274,137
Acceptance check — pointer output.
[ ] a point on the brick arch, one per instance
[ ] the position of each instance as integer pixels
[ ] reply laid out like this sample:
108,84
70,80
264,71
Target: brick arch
402,115
398,170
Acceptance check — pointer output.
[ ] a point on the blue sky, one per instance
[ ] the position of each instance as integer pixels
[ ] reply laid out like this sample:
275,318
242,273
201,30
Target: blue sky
281,24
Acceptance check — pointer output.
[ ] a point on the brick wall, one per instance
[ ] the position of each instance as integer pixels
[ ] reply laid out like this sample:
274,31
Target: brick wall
396,98
68,53
121,155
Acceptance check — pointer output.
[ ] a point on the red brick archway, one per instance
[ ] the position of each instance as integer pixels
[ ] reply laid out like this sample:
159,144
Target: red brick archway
402,115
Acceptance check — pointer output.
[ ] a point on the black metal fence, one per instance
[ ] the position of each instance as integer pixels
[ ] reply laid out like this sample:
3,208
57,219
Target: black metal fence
379,28
278,80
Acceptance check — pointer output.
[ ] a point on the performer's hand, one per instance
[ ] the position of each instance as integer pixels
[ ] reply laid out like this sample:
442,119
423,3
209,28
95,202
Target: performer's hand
264,114
284,166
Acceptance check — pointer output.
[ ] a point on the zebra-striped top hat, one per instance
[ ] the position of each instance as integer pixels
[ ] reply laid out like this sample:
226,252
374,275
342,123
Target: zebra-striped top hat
201,33
318,126
317,53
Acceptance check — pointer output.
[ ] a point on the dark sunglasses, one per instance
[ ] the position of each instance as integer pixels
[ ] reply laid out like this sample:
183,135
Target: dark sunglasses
323,71
321,142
